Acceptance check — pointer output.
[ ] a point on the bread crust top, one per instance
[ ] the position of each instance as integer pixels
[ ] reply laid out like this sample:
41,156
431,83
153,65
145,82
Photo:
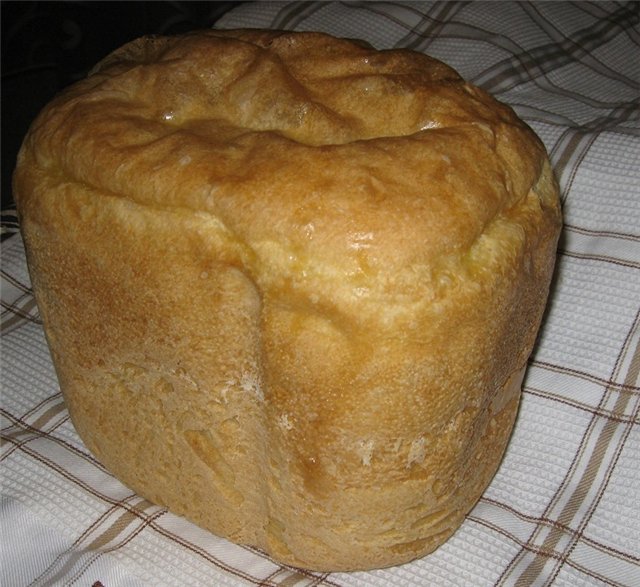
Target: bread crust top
316,156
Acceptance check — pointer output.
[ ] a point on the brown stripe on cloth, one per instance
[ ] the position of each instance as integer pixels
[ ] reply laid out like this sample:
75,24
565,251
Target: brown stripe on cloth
108,535
15,282
596,9
18,303
458,30
538,61
9,224
43,419
602,233
577,373
76,560
573,145
285,577
550,546
430,25
24,419
603,258
584,53
616,248
573,403
24,309
21,430
433,26
623,558
220,562
293,579
294,13
50,463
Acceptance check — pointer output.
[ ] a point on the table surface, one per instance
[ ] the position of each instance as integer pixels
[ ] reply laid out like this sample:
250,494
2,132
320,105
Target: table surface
563,508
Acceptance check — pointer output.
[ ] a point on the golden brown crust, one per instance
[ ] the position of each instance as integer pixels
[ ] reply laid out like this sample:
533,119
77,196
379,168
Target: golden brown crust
290,284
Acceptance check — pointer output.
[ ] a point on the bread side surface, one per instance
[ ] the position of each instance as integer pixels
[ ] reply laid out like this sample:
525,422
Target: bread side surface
276,305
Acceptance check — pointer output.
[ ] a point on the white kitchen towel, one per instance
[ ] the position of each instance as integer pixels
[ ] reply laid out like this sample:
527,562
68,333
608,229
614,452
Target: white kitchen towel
564,507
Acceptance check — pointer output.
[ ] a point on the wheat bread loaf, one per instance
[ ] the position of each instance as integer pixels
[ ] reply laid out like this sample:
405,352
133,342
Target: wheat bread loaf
290,284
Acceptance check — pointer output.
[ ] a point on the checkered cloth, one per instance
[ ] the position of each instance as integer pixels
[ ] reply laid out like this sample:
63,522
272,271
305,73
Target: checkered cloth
564,508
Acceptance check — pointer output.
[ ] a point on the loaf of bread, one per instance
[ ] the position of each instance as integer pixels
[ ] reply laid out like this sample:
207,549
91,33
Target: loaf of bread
290,284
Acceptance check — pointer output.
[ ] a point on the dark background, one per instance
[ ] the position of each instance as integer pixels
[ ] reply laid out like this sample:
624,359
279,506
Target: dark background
48,45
